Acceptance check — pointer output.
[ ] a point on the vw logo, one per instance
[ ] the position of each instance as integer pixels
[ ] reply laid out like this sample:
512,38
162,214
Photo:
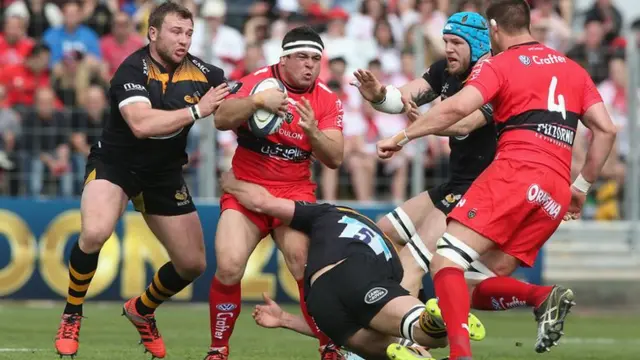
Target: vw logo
226,307
525,60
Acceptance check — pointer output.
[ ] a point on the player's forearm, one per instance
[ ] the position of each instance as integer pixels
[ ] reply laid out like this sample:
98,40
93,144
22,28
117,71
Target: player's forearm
252,196
296,323
435,121
465,126
233,112
151,122
327,150
597,155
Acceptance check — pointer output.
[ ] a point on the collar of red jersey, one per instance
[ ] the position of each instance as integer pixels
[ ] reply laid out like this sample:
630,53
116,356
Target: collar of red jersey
524,44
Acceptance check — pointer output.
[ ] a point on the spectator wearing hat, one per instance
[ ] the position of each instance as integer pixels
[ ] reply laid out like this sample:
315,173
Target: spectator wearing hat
15,46
40,15
72,36
213,41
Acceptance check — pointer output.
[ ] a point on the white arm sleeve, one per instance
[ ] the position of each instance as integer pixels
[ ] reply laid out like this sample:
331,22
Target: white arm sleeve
392,102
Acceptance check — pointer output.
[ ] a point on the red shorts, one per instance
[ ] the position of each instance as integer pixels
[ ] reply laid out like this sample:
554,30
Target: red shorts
266,223
516,205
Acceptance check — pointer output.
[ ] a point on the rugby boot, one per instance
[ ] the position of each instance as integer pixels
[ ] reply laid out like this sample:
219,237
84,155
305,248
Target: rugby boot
219,353
402,352
330,352
432,323
550,316
68,336
146,325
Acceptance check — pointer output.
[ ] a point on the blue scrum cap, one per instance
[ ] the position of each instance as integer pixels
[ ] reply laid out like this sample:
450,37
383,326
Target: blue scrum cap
473,28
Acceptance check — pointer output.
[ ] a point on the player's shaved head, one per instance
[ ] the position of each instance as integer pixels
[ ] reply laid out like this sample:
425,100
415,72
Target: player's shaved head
512,16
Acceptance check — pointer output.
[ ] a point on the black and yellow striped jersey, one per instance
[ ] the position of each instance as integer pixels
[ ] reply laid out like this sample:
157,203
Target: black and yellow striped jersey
336,232
141,78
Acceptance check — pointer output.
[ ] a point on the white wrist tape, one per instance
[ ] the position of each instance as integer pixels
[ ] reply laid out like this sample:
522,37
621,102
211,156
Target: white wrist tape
195,112
581,184
392,102
401,138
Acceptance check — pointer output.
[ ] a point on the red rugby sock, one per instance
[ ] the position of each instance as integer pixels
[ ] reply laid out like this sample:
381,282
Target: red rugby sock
503,293
322,338
453,300
224,309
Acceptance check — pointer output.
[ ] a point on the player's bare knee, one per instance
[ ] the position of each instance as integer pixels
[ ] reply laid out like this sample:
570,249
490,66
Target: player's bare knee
506,266
296,259
191,267
229,270
94,235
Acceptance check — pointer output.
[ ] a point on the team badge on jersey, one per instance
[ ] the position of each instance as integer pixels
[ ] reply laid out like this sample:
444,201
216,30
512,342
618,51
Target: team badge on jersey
525,60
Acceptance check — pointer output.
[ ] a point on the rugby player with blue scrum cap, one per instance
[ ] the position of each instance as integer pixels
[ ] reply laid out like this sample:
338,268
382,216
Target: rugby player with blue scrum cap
421,220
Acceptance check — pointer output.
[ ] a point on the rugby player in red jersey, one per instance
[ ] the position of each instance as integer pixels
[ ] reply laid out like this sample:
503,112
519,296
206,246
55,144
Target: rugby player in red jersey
517,203
281,163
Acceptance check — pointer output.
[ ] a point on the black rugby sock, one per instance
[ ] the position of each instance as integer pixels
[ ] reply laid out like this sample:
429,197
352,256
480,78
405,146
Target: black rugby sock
82,267
166,283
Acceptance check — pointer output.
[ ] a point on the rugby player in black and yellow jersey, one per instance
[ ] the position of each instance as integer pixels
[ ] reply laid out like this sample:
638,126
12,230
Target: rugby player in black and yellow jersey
352,277
156,95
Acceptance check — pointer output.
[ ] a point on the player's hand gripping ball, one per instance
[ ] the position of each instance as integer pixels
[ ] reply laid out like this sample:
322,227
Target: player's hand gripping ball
265,122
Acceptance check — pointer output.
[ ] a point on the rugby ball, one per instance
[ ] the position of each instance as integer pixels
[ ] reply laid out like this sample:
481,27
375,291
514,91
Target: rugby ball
263,122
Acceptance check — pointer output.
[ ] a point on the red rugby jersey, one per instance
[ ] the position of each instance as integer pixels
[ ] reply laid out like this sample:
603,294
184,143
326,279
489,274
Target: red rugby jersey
538,96
283,158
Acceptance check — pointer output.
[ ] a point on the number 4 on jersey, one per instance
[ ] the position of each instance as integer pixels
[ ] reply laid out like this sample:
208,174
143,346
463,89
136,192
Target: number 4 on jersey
551,100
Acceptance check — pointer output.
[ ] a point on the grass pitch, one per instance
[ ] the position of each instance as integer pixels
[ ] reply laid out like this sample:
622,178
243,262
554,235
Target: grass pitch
27,333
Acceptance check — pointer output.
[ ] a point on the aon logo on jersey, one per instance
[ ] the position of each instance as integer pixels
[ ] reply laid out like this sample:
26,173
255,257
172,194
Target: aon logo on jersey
360,231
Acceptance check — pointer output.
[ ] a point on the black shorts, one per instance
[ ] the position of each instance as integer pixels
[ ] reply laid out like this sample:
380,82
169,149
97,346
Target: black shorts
446,196
346,298
162,193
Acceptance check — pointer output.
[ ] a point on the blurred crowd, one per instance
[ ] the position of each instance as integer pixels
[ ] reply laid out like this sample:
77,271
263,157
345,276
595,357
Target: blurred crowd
57,58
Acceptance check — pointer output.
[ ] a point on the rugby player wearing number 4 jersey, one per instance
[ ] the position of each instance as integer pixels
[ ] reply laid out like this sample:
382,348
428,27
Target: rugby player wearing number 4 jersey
517,203
279,161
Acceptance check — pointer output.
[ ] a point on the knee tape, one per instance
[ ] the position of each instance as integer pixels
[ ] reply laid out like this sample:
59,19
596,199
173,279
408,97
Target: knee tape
408,322
405,342
478,271
402,224
420,253
457,251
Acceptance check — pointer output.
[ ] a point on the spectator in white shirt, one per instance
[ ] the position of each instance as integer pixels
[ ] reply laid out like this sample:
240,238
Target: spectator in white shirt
214,42
356,53
361,24
558,32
